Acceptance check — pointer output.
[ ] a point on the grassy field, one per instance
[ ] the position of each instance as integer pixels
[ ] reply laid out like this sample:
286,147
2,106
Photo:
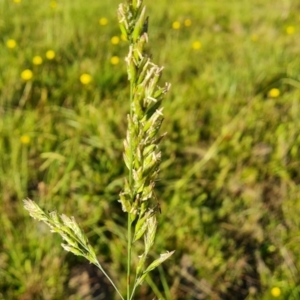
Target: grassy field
229,181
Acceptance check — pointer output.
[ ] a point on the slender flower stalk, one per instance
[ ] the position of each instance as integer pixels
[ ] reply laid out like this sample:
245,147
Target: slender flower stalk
141,155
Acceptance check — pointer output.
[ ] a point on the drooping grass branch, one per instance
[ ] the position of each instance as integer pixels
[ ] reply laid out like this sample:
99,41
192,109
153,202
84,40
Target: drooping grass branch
75,239
141,155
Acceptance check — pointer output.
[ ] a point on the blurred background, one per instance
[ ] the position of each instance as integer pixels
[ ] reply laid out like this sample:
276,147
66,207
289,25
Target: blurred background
229,182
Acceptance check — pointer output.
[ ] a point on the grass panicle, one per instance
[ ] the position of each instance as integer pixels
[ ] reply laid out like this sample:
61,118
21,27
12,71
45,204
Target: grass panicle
141,155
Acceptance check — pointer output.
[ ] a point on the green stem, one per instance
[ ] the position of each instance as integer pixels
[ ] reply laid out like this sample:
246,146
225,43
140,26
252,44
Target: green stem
133,290
128,257
110,280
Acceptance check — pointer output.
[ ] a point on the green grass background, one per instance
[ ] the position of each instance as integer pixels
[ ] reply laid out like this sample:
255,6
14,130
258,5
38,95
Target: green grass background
229,182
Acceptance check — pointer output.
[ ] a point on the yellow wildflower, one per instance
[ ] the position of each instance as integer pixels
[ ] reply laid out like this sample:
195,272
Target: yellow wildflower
290,30
11,44
53,4
25,139
26,75
37,60
85,78
196,45
17,1
115,40
254,37
176,25
50,54
187,22
103,21
276,292
274,93
114,60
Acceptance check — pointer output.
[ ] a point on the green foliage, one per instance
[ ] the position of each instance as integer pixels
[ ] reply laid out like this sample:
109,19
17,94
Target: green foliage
230,162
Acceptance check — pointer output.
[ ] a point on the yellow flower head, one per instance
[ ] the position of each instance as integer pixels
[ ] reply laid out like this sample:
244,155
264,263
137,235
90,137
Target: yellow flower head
176,25
290,30
196,45
276,292
37,60
103,21
25,139
187,23
85,78
17,1
11,44
254,37
115,40
50,54
27,75
274,93
114,60
53,4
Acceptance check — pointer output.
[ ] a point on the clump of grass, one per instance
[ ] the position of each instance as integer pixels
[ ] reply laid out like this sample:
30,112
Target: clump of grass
141,155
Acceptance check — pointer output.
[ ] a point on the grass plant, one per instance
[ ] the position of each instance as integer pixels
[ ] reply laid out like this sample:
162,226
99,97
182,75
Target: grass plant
141,155
229,174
